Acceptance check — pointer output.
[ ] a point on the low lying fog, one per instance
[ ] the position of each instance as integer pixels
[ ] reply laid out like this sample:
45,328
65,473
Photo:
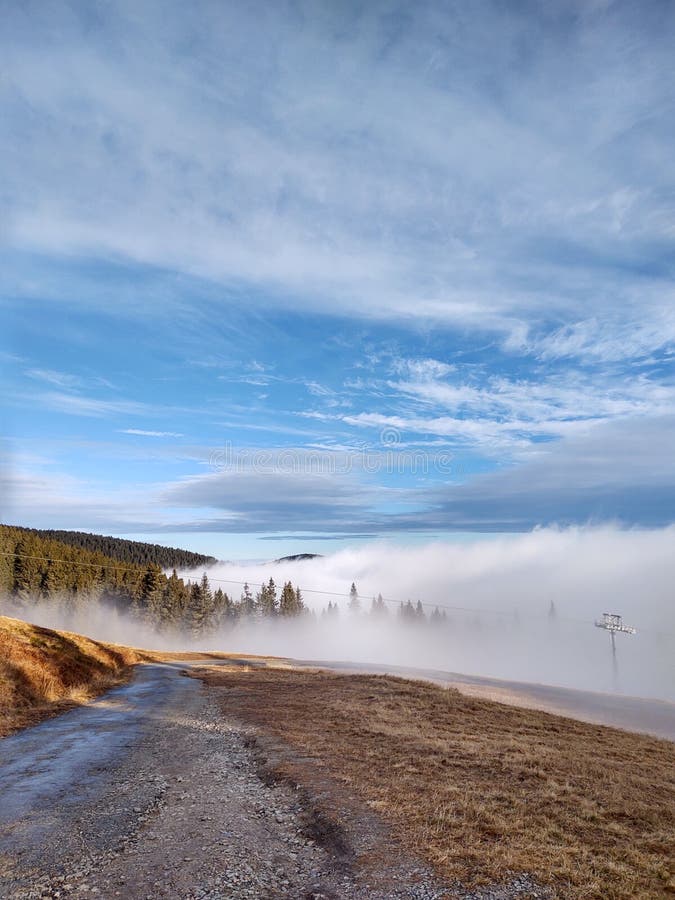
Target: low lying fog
505,587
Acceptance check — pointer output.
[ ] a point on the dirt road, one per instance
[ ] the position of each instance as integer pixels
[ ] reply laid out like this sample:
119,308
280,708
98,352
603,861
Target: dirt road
149,792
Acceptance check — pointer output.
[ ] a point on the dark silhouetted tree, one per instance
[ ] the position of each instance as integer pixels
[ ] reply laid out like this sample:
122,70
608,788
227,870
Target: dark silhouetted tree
288,602
247,604
267,600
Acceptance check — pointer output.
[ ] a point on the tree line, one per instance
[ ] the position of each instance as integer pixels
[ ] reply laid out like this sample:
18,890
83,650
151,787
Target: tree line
39,569
136,552
407,612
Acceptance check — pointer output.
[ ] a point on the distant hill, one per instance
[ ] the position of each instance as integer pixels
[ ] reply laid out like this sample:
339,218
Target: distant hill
136,552
298,557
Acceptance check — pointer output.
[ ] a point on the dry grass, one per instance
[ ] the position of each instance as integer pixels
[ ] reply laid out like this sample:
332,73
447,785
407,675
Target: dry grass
43,672
478,788
201,655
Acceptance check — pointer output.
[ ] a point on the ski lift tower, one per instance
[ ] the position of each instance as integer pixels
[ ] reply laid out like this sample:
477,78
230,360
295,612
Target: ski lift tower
613,623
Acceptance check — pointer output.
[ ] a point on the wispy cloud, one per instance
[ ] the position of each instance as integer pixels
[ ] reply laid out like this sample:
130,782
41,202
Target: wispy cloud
77,405
142,433
505,200
450,228
59,379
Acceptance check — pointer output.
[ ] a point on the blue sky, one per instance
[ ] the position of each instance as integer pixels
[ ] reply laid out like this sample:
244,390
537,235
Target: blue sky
312,272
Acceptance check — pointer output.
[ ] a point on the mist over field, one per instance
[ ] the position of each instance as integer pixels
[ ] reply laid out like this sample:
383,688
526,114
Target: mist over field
518,607
505,587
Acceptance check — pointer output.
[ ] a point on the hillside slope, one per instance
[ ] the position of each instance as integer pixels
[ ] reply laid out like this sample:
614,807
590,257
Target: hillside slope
44,671
136,552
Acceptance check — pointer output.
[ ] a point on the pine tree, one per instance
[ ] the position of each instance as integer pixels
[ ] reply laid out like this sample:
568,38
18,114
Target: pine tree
419,612
267,600
378,606
247,604
175,601
7,548
208,606
27,571
194,618
354,601
152,595
222,609
407,612
288,603
53,579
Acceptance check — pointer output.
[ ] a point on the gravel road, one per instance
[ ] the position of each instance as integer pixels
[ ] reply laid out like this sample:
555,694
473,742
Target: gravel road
148,792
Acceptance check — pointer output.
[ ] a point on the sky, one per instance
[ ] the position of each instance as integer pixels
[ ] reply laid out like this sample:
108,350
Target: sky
284,277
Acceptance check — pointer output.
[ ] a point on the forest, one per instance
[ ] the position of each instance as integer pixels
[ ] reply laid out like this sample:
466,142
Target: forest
126,551
35,568
38,569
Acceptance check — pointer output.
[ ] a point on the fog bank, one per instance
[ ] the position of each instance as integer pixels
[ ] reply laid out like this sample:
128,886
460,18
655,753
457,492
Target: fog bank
518,607
505,587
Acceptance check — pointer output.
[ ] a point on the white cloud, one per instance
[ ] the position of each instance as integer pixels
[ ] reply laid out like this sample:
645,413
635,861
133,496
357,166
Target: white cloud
422,369
550,402
529,191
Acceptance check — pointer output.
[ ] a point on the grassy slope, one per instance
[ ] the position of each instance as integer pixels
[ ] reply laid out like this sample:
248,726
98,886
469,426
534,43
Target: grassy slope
44,671
479,788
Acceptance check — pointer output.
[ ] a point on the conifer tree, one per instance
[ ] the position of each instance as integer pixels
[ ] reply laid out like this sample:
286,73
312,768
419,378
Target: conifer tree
194,618
378,607
176,598
288,601
151,597
267,599
247,604
354,601
6,563
27,571
53,579
208,606
407,612
222,609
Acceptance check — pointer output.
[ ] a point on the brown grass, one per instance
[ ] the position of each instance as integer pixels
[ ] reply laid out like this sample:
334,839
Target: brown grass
43,672
478,788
